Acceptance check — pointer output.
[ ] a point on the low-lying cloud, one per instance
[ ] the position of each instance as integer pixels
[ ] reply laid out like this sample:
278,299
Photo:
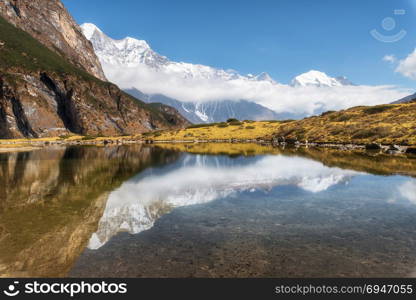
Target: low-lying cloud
407,66
278,97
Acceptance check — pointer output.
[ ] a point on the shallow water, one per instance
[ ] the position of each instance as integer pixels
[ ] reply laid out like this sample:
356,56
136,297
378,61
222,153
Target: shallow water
206,211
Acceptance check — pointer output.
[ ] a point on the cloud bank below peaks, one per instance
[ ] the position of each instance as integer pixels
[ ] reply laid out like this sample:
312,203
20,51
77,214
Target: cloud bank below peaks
131,63
281,98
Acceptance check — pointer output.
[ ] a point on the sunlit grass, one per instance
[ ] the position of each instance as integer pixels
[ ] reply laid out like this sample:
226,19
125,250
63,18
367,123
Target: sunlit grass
219,131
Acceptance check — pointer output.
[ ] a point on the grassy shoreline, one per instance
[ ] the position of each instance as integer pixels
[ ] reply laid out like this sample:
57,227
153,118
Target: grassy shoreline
12,145
390,127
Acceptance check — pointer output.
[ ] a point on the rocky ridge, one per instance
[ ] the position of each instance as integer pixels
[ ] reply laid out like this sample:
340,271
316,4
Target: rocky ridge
51,24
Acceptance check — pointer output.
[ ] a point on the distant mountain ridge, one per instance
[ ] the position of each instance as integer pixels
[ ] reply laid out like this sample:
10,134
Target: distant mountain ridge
131,55
131,52
212,111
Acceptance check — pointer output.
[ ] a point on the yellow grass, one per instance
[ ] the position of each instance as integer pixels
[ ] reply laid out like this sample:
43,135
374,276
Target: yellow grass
248,149
215,132
29,143
384,124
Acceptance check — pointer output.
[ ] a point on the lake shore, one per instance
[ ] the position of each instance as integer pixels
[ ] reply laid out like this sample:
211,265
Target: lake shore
13,145
20,145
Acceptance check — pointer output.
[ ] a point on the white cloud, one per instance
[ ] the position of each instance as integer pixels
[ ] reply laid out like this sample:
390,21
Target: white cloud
390,58
407,66
408,190
278,97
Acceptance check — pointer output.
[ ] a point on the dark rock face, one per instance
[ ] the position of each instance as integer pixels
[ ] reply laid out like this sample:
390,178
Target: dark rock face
46,105
50,23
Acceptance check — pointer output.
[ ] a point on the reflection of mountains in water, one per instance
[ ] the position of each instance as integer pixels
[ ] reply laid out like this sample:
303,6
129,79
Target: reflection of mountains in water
197,179
52,200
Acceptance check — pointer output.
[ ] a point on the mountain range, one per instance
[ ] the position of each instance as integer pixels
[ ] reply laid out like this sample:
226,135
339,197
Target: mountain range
213,111
131,56
52,83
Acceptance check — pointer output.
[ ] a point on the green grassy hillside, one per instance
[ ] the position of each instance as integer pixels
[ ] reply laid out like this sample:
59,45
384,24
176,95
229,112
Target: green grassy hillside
385,124
19,49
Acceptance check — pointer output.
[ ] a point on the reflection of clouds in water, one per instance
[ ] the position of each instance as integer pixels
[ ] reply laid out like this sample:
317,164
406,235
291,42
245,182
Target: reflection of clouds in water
408,190
136,205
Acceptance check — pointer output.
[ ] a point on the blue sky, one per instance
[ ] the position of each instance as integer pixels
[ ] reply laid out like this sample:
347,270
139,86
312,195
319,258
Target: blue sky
281,37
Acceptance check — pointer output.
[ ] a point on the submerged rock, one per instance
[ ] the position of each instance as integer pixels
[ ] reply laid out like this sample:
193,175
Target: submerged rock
373,146
411,150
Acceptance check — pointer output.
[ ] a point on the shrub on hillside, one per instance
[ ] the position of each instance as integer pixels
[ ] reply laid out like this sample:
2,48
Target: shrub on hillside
327,113
235,123
88,137
376,132
377,109
232,120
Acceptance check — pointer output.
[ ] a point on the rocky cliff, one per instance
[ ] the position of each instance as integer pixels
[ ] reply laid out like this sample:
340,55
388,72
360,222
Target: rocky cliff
50,80
50,23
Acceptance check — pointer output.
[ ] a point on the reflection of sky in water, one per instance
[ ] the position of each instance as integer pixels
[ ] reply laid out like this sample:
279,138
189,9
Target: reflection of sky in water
197,179
408,190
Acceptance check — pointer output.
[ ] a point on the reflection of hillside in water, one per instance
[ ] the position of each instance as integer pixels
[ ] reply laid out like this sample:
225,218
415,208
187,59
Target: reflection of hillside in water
375,163
52,200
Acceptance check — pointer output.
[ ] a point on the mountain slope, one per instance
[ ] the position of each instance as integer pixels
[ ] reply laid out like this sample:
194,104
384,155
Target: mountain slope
385,124
51,24
42,94
388,124
406,99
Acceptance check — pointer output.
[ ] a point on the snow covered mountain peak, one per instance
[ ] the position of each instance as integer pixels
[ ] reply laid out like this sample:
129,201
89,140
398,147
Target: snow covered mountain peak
131,52
130,43
127,52
263,77
89,30
318,79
